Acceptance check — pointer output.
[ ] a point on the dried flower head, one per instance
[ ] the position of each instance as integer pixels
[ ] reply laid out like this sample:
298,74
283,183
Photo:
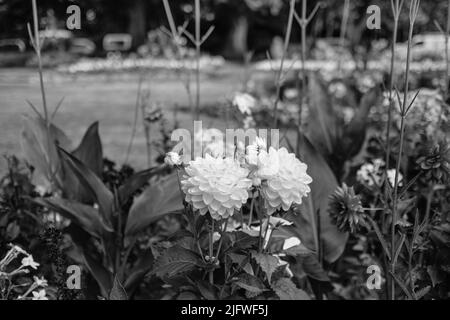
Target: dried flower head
346,210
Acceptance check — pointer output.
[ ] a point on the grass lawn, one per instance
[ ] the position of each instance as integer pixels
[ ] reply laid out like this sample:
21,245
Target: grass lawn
108,98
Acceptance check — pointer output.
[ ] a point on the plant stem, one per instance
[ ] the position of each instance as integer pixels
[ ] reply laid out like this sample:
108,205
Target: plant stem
396,13
413,15
343,32
211,252
250,217
197,56
302,104
283,58
136,111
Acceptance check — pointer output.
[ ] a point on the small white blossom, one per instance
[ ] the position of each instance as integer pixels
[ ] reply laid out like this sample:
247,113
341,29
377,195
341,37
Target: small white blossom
291,243
172,159
40,282
29,262
39,295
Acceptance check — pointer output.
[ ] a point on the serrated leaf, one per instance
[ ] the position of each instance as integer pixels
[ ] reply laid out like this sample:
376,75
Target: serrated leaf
287,290
268,263
175,261
160,198
207,290
250,284
118,291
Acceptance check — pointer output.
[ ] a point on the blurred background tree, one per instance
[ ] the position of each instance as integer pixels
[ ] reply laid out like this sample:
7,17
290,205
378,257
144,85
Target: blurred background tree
241,26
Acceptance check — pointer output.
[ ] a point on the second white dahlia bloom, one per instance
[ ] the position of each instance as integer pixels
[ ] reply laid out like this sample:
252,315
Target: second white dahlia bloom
282,177
215,185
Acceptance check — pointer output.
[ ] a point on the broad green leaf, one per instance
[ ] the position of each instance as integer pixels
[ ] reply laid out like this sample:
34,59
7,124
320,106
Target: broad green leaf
136,182
312,267
118,291
93,184
305,216
160,198
267,262
175,261
103,277
36,149
140,269
322,123
355,133
85,216
90,153
287,290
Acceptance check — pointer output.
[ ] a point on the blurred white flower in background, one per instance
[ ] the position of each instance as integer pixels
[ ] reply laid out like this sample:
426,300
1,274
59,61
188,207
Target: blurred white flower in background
371,174
244,102
173,159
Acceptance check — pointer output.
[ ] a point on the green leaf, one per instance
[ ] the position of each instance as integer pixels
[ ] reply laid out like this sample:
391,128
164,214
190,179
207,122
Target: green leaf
322,128
93,184
36,150
250,283
117,292
140,269
100,273
85,216
268,263
175,261
305,216
159,199
355,133
90,153
207,290
287,290
136,182
312,267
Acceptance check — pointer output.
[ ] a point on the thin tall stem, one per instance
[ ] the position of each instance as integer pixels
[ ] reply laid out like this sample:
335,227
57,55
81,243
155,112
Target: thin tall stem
396,8
283,58
36,42
303,58
343,32
447,62
413,15
211,252
197,57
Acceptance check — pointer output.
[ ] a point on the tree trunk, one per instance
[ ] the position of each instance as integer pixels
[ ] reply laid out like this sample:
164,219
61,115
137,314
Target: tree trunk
237,42
137,22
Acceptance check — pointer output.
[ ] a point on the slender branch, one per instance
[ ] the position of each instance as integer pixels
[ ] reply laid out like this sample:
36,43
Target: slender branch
283,57
414,9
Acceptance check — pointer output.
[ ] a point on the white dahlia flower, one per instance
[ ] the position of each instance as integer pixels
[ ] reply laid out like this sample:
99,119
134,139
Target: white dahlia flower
215,185
283,178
